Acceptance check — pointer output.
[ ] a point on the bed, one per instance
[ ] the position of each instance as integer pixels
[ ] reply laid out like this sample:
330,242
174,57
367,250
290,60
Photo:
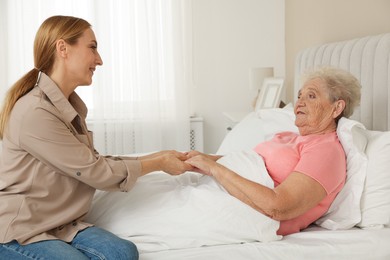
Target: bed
357,226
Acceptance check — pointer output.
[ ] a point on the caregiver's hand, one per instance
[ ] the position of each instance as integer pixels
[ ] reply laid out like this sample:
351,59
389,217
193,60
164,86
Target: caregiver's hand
169,161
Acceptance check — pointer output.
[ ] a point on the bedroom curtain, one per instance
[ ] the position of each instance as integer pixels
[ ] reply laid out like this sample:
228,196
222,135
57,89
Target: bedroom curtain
138,101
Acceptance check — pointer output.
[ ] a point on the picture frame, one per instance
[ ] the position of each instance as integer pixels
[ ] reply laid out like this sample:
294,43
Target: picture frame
270,93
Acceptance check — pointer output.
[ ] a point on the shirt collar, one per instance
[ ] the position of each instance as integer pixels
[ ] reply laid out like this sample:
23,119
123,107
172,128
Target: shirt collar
69,108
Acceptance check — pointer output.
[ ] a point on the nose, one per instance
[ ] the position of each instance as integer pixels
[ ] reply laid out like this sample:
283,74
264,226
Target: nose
99,60
300,102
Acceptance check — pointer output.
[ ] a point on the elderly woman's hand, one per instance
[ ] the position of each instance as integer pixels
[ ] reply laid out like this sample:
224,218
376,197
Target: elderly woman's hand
173,162
194,153
203,163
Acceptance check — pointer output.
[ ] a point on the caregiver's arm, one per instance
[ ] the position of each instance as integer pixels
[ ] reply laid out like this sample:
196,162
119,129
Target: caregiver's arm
296,195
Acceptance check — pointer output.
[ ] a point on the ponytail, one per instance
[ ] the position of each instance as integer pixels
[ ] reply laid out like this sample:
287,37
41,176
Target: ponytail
68,28
18,90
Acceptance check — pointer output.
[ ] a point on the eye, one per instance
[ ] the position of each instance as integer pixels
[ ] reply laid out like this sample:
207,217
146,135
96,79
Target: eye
311,95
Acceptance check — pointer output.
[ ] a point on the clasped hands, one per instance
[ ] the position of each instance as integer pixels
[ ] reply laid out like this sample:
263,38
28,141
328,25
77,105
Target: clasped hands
176,163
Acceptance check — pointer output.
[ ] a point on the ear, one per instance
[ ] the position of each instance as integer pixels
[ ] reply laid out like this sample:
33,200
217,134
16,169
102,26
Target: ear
61,48
339,106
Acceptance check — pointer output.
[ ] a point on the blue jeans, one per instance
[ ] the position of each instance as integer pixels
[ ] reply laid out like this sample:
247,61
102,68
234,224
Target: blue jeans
90,243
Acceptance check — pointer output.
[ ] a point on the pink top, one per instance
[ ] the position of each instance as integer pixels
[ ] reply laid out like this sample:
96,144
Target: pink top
319,156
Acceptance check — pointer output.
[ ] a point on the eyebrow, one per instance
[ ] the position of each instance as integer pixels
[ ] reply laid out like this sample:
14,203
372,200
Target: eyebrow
309,89
313,89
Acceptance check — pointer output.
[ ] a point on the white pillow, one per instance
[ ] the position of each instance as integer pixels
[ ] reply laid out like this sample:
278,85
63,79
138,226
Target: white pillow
375,201
345,211
257,127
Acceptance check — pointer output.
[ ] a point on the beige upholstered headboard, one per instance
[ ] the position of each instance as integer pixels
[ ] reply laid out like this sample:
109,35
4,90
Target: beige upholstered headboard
368,59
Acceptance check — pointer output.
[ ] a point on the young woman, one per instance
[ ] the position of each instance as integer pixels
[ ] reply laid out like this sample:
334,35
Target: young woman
49,169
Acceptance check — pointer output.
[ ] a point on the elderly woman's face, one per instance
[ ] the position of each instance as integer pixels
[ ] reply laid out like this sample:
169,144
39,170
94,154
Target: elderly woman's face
315,113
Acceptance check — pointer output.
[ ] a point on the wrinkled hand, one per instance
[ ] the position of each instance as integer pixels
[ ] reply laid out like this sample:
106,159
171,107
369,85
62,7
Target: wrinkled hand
173,162
193,153
202,164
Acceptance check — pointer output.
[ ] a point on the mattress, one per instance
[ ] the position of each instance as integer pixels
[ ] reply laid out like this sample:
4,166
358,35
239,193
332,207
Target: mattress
313,243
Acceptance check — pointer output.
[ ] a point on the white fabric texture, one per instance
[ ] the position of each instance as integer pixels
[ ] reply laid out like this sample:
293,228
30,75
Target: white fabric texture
375,203
313,243
345,211
257,127
191,210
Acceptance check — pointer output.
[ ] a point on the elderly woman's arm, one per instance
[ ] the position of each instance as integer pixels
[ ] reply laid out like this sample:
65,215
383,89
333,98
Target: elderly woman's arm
296,195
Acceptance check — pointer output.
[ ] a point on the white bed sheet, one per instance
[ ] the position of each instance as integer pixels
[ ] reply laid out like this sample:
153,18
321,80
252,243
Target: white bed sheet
313,243
187,211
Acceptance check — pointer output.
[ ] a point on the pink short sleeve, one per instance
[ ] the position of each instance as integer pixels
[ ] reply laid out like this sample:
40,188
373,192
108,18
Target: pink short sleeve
324,162
319,156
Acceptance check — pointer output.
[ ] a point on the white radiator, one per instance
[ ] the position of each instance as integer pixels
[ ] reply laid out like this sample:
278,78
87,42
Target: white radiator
120,141
196,133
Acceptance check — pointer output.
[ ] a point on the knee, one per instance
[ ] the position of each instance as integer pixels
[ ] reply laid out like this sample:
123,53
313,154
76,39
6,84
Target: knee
95,241
126,250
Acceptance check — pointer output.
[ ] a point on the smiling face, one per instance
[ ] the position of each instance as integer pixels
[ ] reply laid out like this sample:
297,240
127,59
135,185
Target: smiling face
82,59
315,113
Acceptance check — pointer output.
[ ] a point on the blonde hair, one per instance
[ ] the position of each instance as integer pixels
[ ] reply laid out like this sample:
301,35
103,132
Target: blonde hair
341,85
69,29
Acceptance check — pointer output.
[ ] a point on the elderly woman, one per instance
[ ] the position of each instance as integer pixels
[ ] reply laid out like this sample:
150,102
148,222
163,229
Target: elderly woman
309,168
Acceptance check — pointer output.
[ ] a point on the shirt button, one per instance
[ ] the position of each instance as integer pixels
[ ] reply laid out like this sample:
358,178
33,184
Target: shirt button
78,173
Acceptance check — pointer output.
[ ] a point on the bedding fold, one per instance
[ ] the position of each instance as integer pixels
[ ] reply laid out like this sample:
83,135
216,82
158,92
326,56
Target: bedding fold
191,210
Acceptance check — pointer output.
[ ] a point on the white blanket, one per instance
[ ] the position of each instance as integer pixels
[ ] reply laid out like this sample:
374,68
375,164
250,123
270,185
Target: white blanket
191,210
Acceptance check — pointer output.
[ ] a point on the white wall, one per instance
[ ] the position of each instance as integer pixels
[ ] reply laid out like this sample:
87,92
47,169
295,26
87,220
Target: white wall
229,38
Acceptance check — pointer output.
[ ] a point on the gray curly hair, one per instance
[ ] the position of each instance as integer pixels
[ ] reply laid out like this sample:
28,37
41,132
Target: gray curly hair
341,84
